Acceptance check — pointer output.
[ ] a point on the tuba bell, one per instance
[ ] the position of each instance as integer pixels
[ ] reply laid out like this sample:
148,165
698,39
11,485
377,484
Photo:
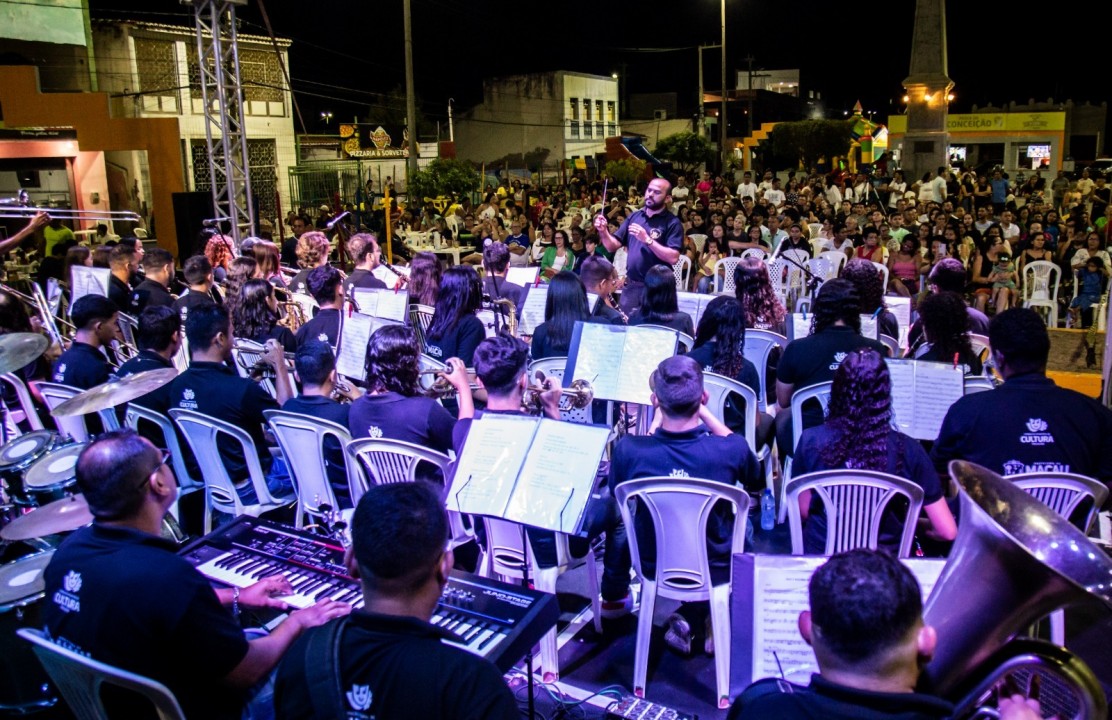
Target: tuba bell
1013,562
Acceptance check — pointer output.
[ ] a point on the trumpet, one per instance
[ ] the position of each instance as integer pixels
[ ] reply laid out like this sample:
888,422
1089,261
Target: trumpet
579,395
249,357
20,207
440,388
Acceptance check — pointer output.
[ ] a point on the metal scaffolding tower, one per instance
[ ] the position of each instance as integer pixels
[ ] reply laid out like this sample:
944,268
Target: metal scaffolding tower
222,92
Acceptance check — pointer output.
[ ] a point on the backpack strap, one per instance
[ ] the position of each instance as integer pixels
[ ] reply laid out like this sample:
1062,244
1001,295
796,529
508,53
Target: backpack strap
322,670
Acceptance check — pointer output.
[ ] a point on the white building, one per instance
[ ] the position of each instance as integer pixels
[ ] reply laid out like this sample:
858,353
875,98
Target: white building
569,114
151,70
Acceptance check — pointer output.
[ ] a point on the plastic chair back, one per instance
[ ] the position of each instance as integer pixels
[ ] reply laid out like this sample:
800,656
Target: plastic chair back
682,271
724,274
718,389
699,239
855,502
136,413
379,461
54,394
420,317
758,346
1040,288
758,253
1064,492
821,268
977,383
201,432
26,405
80,678
891,343
818,391
301,438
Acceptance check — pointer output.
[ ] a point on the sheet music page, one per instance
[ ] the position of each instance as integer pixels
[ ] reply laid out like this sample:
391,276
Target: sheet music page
939,385
869,327
599,360
352,353
366,301
901,308
693,304
387,304
89,281
557,478
490,463
902,373
780,594
800,326
384,274
532,310
645,348
523,276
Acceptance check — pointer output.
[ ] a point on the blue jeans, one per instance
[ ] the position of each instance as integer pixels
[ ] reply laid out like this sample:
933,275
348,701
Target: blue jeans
706,284
601,516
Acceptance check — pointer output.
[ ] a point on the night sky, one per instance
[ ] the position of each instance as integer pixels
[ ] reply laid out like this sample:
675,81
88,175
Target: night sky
345,53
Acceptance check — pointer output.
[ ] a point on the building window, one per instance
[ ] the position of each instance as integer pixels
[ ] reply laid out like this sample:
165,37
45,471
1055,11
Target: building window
575,109
598,130
573,129
158,75
611,130
598,110
587,110
610,111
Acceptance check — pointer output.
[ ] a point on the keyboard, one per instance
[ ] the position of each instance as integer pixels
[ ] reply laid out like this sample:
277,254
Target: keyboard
490,618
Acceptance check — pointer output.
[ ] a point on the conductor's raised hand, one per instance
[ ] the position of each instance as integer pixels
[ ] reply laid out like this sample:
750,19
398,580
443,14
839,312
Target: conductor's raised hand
600,223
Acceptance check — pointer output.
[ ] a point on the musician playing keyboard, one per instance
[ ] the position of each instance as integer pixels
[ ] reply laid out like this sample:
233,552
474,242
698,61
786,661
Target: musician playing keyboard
387,660
120,594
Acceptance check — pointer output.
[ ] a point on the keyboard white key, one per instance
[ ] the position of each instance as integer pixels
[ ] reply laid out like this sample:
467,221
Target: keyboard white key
240,569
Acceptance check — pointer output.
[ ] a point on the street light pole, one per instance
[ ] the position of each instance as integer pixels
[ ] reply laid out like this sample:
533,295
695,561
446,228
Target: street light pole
723,132
410,93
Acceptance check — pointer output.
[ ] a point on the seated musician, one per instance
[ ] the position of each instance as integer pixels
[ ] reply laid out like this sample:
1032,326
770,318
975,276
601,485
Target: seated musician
393,407
500,367
659,303
159,339
496,259
600,278
365,253
688,442
565,305
386,660
858,434
325,284
119,594
158,271
316,369
312,252
199,278
945,336
124,263
255,315
213,388
455,331
84,364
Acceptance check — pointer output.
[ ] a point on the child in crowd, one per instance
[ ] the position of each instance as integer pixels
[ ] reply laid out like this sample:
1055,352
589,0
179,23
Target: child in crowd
1090,283
1003,278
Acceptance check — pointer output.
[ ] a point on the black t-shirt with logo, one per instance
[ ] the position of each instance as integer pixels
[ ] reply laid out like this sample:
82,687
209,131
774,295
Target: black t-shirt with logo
814,359
124,598
82,366
419,420
324,326
663,227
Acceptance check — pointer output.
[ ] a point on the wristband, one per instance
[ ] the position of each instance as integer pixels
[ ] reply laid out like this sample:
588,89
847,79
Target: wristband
235,602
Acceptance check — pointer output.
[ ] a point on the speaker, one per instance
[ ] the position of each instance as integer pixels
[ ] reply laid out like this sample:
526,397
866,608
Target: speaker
191,209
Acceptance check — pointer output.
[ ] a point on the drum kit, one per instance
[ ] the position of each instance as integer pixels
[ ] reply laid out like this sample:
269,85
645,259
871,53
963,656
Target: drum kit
39,504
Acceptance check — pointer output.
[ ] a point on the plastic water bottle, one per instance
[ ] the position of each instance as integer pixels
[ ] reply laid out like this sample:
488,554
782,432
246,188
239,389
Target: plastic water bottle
768,510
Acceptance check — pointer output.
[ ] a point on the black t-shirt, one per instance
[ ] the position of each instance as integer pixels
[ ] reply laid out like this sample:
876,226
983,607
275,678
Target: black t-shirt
192,300
772,698
82,366
396,667
300,281
281,333
1028,424
289,251
460,341
159,398
971,362
663,227
119,292
123,597
215,390
747,375
506,290
418,420
325,326
363,279
814,359
540,347
680,321
606,314
149,294
325,408
693,453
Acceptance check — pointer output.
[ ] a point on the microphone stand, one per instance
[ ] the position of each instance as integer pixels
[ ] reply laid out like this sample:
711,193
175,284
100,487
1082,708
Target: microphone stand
813,281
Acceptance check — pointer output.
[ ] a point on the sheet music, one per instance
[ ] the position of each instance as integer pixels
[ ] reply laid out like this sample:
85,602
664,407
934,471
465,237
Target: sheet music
386,304
800,326
557,478
645,349
89,281
922,393
532,310
869,327
490,463
599,360
780,594
901,308
352,353
693,304
523,276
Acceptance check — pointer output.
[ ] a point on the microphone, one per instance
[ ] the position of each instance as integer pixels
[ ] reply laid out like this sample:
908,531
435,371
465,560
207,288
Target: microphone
332,223
213,222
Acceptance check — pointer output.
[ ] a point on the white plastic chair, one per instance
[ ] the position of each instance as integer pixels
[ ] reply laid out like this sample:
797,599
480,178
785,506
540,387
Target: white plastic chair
819,392
758,346
26,404
1040,288
700,241
758,253
302,439
724,274
821,268
80,678
201,432
977,383
855,502
718,389
780,279
891,343
682,271
54,394
1063,493
883,270
420,317
505,556
679,509
136,414
486,317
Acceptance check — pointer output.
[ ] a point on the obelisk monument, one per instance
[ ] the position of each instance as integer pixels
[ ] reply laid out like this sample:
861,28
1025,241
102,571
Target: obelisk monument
927,141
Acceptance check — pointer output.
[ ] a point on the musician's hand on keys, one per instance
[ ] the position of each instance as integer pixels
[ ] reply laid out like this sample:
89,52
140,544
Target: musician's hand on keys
266,593
274,355
319,614
457,375
550,398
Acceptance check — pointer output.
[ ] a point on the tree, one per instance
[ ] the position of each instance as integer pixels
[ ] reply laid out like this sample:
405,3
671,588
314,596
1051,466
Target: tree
442,176
625,172
686,150
802,143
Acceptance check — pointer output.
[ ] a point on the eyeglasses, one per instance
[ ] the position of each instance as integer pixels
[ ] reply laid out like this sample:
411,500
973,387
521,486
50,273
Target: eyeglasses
166,457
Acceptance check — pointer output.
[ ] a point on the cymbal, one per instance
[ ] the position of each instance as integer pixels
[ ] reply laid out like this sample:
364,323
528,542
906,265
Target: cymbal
63,515
114,393
18,349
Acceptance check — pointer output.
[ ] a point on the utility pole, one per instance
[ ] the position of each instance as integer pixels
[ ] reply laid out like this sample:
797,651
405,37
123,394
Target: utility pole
751,92
702,127
723,131
410,93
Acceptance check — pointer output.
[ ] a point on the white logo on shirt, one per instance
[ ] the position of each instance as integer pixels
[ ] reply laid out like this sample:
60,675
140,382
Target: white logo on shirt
66,598
374,431
188,394
72,581
60,373
187,399
360,697
1037,434
679,473
1017,467
323,337
838,358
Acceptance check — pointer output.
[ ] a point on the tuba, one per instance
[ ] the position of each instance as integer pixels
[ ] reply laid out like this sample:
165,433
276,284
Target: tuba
1013,562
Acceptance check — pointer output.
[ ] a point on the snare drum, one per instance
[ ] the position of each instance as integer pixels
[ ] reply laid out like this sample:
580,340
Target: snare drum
20,454
24,686
54,476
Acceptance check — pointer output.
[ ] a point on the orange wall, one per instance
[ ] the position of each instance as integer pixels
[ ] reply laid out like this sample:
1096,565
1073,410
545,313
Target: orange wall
25,106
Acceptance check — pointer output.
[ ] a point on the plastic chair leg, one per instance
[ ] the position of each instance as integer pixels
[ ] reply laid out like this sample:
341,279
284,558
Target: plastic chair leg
596,603
1058,628
644,635
720,628
545,581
